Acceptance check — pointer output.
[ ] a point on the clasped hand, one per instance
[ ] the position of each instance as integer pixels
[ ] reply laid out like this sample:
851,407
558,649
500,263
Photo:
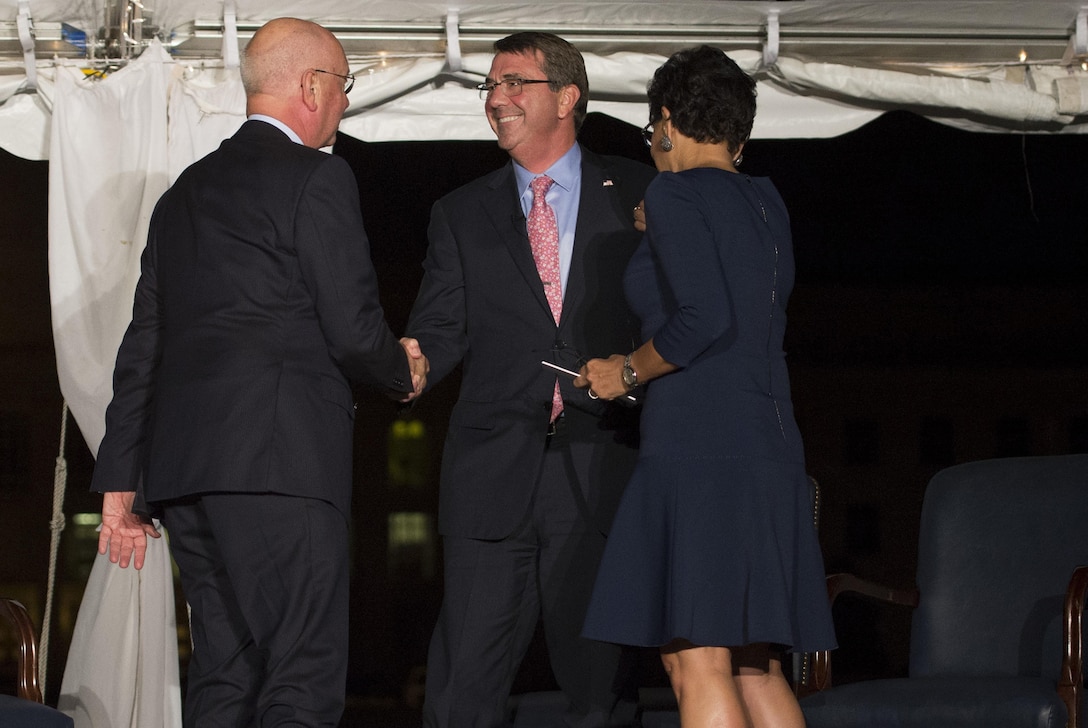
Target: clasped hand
419,366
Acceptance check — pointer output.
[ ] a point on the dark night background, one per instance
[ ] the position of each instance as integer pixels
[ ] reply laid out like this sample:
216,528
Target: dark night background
901,202
939,316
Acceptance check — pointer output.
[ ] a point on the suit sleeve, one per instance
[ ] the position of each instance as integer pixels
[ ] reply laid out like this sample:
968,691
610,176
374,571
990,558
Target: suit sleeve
438,318
334,257
686,251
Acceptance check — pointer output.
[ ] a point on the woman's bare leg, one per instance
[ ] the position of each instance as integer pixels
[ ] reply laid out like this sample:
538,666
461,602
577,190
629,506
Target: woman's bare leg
702,680
767,696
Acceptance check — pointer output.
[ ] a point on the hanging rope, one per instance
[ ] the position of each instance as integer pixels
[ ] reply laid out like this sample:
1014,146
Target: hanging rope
56,525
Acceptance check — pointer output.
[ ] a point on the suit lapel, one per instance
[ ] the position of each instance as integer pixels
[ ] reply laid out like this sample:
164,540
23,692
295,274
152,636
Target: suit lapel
596,214
509,221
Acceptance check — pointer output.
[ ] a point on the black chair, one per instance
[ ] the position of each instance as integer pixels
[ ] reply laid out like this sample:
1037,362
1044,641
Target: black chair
25,709
996,631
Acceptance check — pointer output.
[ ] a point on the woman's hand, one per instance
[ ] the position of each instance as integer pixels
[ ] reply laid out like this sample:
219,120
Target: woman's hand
603,378
640,216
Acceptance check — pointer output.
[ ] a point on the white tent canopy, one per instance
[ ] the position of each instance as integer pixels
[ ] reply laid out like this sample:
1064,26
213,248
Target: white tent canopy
825,66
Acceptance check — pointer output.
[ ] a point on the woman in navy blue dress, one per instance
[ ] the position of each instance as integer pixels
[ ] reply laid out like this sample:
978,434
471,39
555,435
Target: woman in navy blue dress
713,556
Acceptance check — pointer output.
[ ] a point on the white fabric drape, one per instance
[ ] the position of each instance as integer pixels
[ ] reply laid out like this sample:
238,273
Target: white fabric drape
122,669
206,106
108,167
24,123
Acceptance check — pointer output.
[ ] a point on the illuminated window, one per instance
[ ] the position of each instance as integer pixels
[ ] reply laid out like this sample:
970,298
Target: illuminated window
80,544
409,463
412,551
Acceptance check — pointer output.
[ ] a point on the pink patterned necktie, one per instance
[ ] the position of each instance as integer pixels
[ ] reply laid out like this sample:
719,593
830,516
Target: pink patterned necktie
544,240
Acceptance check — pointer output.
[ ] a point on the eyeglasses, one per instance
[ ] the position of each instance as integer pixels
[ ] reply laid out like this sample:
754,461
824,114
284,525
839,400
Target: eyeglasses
648,133
349,80
510,86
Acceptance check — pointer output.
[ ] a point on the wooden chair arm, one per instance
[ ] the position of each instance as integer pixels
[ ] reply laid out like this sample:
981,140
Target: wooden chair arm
16,613
819,677
1071,681
848,583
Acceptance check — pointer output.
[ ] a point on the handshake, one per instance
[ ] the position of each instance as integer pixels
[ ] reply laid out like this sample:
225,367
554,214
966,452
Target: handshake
419,366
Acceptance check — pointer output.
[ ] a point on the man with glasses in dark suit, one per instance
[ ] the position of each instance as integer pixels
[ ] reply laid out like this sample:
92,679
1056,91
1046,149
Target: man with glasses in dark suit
524,267
233,414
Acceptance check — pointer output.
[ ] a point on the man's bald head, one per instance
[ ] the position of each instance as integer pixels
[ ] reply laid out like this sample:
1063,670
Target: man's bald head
292,71
282,50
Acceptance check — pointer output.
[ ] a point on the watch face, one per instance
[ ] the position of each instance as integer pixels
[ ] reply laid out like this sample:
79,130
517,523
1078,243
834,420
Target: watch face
628,377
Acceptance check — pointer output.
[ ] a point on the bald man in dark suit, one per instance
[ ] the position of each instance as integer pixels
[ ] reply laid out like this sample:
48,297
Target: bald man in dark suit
233,414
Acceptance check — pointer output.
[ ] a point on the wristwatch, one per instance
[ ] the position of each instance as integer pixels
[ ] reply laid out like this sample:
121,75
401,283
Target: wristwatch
630,378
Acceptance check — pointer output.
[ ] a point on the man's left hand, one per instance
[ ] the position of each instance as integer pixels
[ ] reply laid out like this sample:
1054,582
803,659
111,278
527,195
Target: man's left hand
124,533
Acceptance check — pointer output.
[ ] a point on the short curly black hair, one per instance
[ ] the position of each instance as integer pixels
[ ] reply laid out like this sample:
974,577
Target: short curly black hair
709,97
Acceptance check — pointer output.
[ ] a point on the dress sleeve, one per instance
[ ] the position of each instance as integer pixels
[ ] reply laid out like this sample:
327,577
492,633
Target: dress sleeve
686,255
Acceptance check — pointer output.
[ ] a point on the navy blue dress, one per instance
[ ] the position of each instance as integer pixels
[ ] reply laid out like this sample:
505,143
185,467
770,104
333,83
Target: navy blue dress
714,539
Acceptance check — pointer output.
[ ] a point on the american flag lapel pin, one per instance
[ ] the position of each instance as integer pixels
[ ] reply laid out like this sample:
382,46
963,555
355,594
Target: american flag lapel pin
607,183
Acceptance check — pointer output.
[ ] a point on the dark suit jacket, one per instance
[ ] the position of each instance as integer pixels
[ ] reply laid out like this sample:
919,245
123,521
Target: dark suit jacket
482,302
257,305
